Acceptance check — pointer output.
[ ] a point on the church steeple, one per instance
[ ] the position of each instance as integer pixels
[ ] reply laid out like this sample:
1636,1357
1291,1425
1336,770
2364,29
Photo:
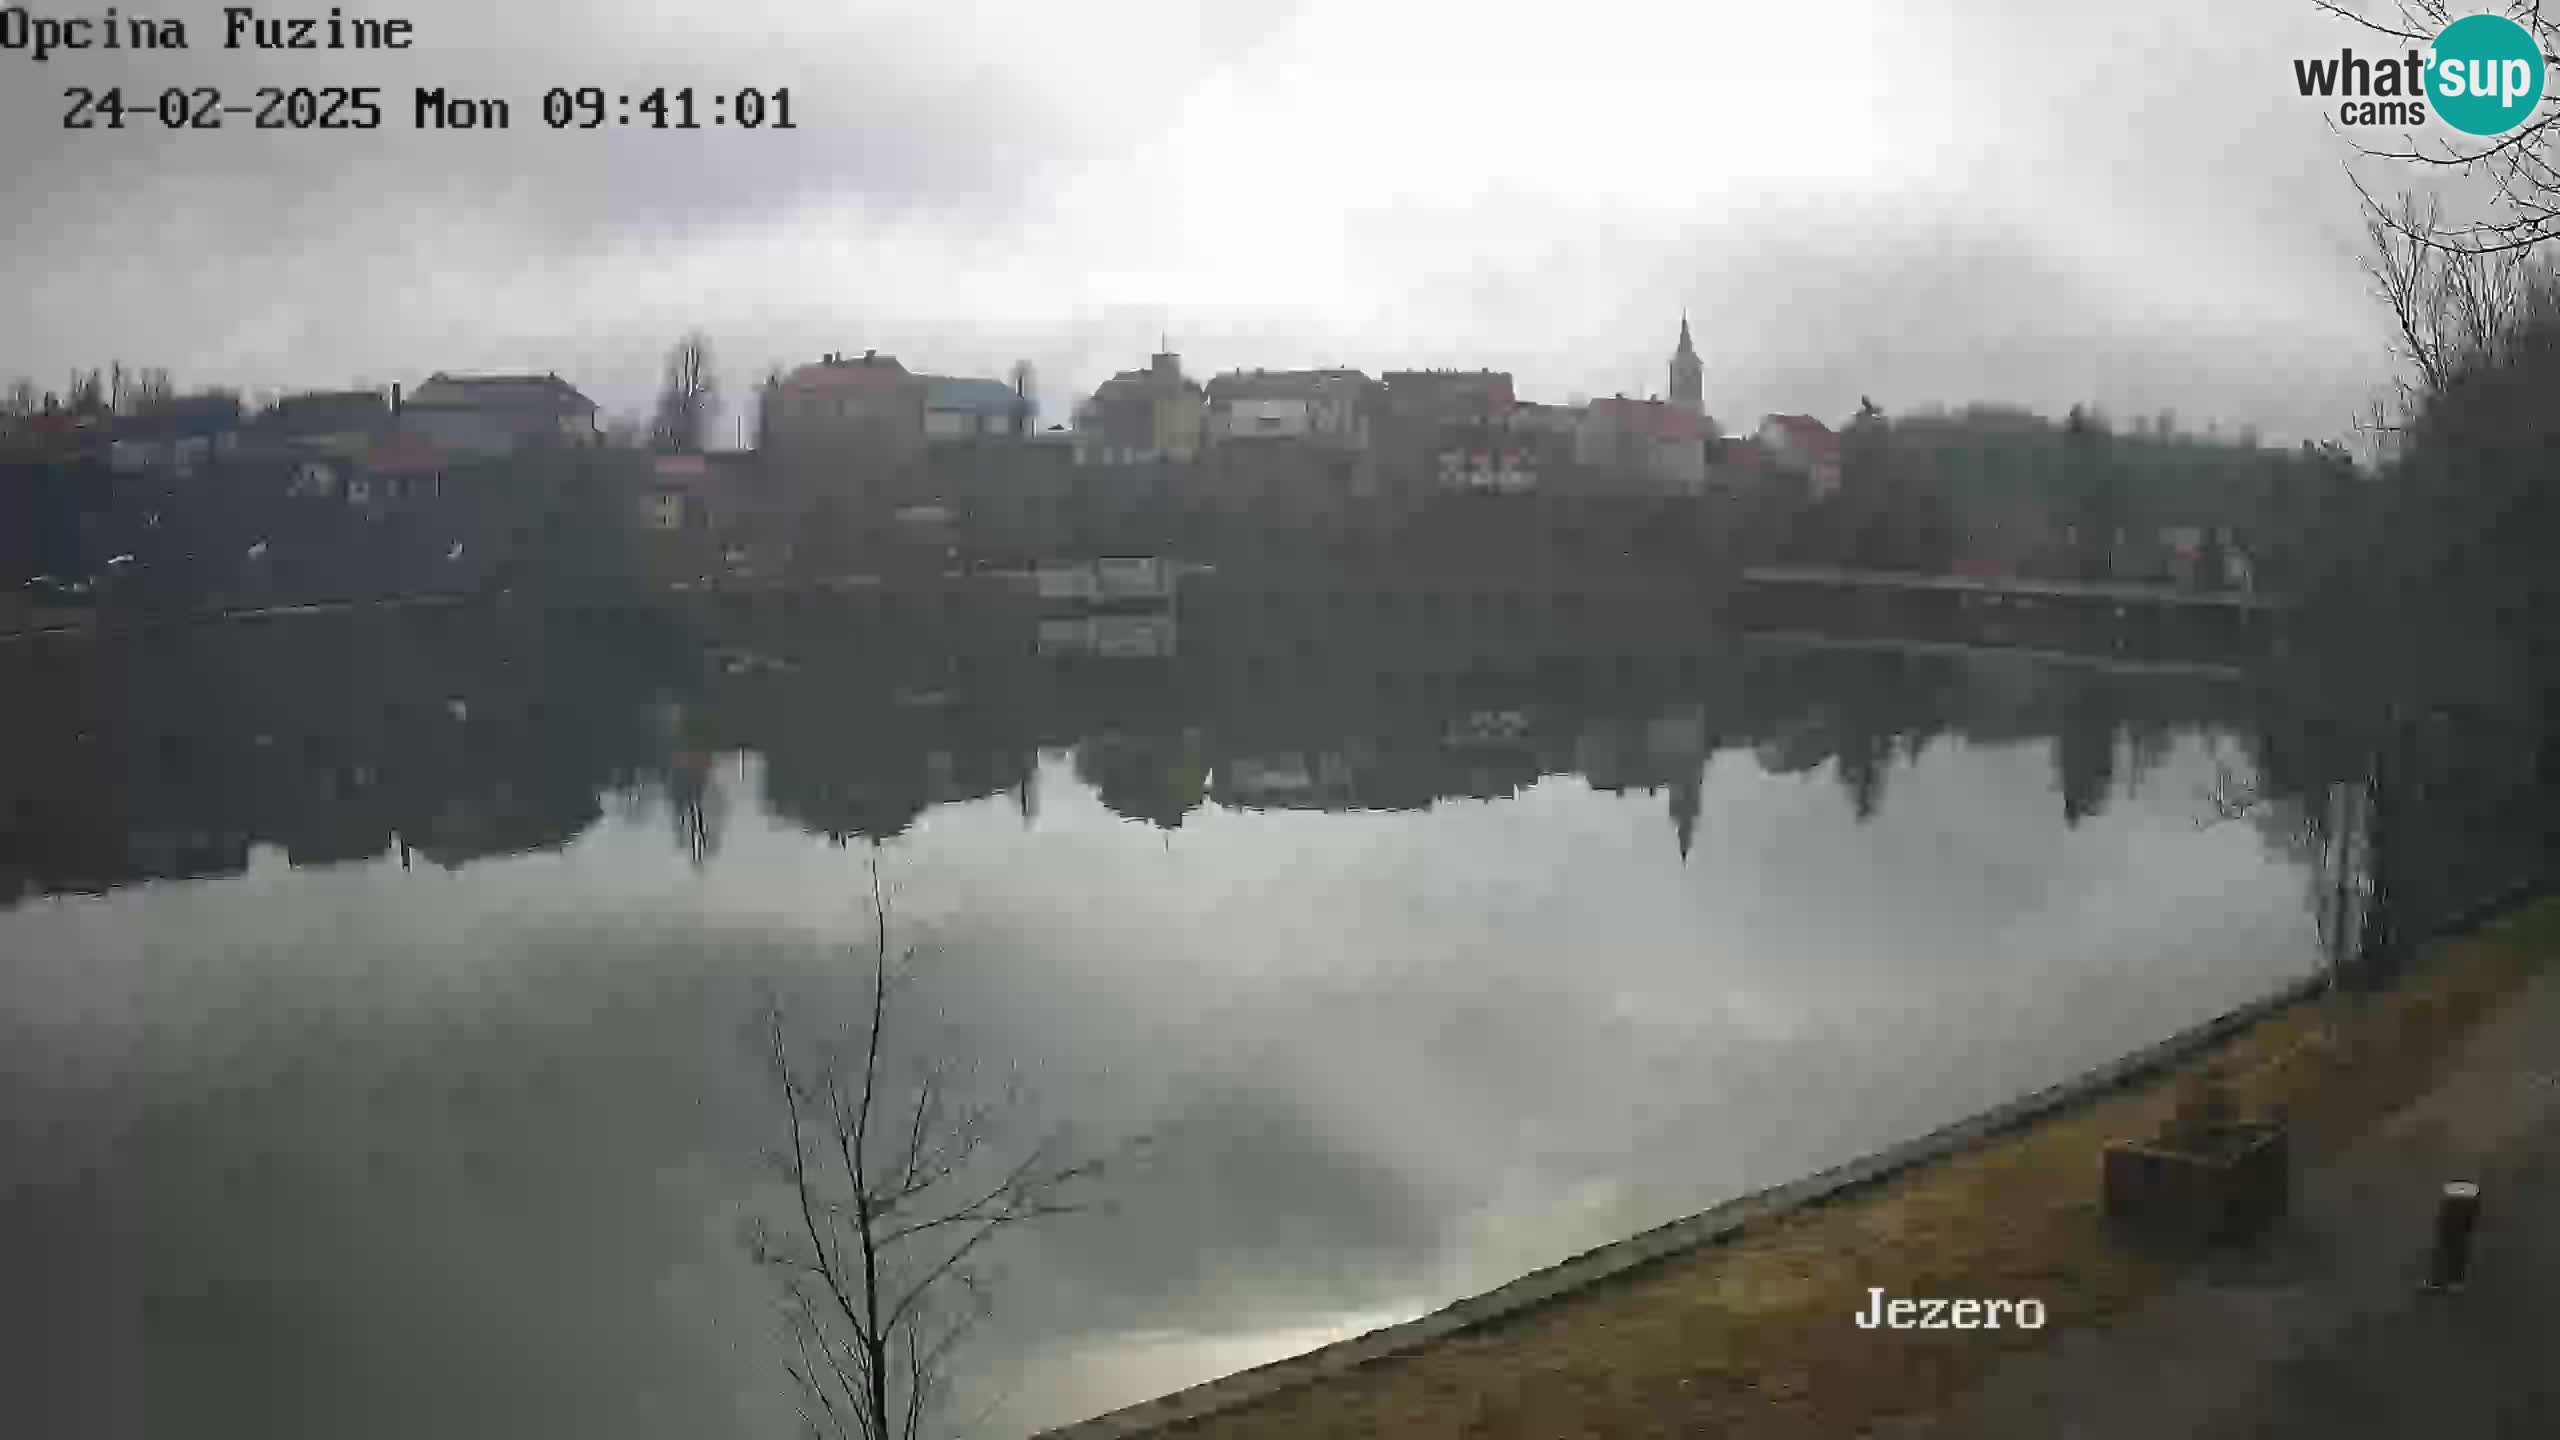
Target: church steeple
1688,377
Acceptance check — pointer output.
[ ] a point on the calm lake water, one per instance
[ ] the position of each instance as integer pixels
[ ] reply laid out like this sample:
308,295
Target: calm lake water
399,1076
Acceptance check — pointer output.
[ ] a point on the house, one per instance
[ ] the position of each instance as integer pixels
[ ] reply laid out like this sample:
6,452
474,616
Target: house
1737,463
1432,420
844,408
695,493
960,408
492,415
398,465
1140,415
339,421
1331,407
1427,401
1801,445
668,502
1507,469
332,469
177,437
674,497
1663,444
1487,455
54,434
320,439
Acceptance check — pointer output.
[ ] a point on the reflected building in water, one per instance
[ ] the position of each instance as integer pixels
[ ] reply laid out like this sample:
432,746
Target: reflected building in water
449,737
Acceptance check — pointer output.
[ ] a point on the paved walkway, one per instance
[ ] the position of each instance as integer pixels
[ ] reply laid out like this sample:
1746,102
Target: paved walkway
2326,1334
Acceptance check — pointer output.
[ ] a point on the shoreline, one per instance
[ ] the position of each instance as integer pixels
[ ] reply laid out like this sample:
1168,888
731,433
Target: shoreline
1731,1226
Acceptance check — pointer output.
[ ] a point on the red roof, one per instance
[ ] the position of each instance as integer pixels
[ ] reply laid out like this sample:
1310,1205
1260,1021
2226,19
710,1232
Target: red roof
1808,434
404,452
869,370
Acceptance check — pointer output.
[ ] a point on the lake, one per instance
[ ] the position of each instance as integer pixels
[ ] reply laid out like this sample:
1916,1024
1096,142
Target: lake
382,1007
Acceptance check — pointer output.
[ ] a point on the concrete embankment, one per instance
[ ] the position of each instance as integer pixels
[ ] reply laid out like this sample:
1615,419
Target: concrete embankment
1739,1319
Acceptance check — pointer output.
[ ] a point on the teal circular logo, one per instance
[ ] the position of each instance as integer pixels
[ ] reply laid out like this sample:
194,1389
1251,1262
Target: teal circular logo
2484,75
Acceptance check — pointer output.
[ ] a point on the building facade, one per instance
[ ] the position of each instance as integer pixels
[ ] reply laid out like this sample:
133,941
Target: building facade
1803,446
846,407
1661,446
1139,416
1331,407
1432,399
494,415
965,408
177,438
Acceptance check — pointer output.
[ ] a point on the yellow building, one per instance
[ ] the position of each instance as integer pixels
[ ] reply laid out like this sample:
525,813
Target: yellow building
1151,414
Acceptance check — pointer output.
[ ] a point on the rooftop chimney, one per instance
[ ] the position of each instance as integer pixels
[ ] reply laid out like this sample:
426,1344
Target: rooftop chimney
867,356
395,397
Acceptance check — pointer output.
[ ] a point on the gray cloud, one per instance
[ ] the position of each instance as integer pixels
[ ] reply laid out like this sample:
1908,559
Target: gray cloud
1929,202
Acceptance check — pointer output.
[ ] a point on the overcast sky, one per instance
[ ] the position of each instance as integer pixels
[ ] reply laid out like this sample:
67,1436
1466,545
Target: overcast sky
1927,201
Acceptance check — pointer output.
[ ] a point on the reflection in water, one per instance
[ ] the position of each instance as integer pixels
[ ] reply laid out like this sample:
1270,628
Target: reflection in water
1427,953
460,743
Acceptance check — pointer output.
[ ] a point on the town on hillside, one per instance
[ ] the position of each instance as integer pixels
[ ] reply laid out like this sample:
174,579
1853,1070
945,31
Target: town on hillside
123,495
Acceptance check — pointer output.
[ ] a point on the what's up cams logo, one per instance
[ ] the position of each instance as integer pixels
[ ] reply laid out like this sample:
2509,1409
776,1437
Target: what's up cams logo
2482,76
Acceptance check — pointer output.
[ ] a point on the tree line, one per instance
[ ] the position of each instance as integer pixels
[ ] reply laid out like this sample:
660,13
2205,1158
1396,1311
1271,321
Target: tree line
2078,498
114,390
2427,637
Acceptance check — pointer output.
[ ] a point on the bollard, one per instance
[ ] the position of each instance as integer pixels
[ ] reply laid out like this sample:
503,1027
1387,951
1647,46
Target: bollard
2457,1212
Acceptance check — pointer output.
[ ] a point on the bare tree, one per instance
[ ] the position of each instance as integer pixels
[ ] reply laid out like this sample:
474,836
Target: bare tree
148,389
2432,603
21,398
898,1192
2449,303
2520,168
687,398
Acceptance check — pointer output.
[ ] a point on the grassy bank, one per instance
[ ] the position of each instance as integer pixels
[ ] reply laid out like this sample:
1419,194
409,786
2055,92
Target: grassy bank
1754,1337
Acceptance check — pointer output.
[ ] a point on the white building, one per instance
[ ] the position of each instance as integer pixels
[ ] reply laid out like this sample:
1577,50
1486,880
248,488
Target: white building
1802,445
1332,406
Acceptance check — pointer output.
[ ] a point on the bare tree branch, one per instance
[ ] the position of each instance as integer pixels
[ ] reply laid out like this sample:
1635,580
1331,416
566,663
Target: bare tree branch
2519,166
2400,32
888,1286
686,397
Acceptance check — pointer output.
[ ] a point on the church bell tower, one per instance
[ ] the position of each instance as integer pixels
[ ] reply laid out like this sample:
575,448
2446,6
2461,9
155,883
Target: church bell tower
1688,377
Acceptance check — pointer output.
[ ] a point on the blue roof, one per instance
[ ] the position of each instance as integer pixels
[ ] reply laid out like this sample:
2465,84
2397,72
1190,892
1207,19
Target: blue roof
983,397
